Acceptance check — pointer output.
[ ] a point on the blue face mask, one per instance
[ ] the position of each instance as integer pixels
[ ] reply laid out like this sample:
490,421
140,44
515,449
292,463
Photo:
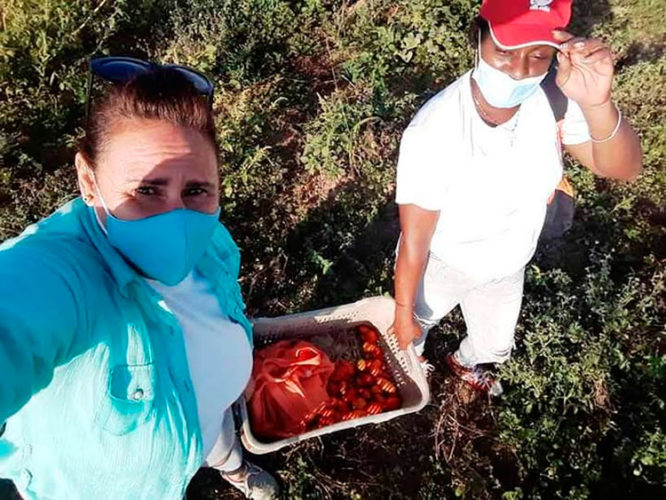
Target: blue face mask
499,89
164,247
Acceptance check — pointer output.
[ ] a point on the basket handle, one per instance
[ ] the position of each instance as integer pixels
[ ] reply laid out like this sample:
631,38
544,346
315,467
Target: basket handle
409,355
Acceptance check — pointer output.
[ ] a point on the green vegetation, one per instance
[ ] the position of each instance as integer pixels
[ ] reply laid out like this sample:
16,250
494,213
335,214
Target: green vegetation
312,96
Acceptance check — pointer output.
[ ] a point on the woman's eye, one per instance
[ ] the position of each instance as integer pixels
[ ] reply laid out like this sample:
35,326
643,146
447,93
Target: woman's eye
194,191
146,190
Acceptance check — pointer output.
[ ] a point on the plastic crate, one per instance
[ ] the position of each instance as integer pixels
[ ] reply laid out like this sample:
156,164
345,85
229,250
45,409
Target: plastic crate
407,373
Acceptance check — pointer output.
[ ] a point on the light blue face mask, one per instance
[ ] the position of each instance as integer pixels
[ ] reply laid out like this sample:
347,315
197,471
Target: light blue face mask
164,247
499,89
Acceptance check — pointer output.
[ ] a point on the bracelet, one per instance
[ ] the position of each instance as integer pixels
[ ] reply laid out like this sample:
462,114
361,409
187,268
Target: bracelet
617,127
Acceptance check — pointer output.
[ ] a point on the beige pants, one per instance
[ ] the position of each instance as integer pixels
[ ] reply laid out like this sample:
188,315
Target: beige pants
490,309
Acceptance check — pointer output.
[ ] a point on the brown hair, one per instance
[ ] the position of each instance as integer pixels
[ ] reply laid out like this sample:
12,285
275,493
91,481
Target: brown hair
160,94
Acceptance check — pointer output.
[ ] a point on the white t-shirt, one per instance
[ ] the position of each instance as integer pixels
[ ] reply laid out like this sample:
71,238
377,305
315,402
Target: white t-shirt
490,184
219,354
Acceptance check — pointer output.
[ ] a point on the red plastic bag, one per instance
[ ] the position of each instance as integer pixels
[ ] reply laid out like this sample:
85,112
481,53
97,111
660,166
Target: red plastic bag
288,385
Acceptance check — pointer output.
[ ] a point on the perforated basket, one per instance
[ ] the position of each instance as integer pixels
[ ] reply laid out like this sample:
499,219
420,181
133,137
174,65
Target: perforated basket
404,365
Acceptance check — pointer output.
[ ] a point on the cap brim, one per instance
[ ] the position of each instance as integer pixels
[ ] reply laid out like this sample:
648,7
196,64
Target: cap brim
516,36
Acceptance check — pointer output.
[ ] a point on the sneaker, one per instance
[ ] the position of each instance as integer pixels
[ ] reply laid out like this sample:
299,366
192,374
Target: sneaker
255,483
477,377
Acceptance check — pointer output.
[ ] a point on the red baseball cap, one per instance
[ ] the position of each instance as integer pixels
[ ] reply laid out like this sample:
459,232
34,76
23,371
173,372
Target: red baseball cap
520,23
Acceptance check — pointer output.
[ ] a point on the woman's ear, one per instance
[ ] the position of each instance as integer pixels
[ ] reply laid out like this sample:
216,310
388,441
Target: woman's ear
85,178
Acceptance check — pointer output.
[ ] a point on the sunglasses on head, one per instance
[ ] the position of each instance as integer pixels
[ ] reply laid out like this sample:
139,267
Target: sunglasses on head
119,70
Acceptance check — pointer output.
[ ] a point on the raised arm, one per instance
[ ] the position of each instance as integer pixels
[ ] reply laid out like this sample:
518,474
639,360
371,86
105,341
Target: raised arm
417,226
585,75
38,324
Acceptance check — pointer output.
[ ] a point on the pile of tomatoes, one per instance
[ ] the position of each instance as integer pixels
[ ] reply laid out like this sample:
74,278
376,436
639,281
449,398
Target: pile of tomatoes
360,388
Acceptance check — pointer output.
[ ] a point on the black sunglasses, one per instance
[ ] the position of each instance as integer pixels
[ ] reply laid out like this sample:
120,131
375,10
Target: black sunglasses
118,69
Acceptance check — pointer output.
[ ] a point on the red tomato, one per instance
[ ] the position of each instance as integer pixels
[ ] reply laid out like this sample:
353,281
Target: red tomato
375,367
325,421
363,328
379,363
348,367
336,376
333,388
368,334
371,350
350,395
386,385
365,394
326,412
365,380
392,403
359,403
340,406
375,389
374,408
344,370
351,415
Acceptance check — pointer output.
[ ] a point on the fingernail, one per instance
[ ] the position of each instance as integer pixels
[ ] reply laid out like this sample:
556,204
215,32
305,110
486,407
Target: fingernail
578,45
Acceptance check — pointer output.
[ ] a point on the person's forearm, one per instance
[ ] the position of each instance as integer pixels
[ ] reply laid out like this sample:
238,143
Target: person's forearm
619,157
408,271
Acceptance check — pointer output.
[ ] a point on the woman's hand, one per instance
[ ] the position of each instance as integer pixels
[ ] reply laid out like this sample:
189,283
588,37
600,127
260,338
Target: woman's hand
405,327
585,75
585,70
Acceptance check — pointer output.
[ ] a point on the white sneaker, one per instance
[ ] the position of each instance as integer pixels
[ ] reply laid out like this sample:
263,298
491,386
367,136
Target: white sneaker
255,483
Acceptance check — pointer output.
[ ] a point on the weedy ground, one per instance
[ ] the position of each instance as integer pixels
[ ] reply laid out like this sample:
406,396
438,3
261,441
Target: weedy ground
311,98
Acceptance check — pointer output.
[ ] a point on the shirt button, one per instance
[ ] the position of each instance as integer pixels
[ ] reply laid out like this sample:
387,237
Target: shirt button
137,395
24,479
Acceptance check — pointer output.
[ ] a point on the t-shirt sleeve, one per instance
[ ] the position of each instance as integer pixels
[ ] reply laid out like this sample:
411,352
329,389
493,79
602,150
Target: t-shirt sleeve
574,128
420,165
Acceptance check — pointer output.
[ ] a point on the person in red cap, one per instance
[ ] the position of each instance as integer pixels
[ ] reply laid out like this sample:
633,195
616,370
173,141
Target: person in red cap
478,165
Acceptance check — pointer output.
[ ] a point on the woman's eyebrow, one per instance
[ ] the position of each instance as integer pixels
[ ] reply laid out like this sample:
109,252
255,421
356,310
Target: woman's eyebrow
204,184
160,181
163,181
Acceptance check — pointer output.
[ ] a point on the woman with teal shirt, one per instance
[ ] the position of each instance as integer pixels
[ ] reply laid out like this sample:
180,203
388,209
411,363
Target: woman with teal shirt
123,341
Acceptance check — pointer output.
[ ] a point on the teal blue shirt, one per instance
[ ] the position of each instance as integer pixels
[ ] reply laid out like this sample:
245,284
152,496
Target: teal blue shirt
95,388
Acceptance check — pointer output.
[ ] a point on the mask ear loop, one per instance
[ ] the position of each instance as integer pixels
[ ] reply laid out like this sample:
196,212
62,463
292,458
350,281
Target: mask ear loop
478,50
104,206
